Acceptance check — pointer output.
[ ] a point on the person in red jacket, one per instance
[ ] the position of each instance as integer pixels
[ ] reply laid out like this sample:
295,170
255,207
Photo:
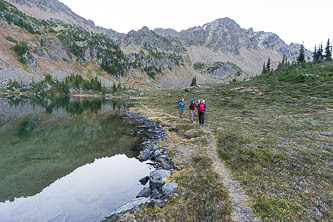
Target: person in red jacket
201,112
192,109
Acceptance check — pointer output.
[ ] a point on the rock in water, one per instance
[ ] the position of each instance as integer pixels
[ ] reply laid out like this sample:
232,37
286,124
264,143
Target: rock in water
131,205
144,180
145,192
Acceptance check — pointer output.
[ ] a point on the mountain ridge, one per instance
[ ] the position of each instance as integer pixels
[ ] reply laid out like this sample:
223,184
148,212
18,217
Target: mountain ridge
223,45
56,6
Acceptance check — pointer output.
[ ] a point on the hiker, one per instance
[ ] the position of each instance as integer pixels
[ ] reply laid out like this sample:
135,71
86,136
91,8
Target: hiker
192,109
201,111
181,106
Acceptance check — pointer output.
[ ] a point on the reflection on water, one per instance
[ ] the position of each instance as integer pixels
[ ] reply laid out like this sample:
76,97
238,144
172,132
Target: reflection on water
88,194
71,105
42,141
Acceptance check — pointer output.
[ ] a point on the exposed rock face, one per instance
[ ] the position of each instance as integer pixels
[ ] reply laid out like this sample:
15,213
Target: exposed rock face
222,34
219,69
147,36
57,11
167,32
227,36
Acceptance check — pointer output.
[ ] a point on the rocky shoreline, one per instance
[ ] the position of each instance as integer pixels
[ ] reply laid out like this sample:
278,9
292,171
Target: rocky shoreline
158,192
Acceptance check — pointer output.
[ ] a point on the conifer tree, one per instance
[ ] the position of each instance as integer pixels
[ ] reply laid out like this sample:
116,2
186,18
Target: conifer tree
284,60
320,53
315,55
263,69
114,87
268,65
301,56
328,51
284,63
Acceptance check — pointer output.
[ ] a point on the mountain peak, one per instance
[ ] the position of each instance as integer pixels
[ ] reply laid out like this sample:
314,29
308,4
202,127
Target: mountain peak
144,29
45,5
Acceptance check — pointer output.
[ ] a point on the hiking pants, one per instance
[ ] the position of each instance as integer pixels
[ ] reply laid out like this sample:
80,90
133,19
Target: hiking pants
201,118
181,113
192,115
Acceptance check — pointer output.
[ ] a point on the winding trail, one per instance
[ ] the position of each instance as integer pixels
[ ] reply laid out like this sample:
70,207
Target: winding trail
241,212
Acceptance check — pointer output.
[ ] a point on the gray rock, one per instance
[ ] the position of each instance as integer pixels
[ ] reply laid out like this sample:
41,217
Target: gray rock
158,152
131,205
144,155
157,176
156,194
169,188
144,180
327,133
164,164
145,192
190,135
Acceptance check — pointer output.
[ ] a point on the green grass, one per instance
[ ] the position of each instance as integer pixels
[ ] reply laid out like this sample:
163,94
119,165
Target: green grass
10,39
275,140
21,50
203,198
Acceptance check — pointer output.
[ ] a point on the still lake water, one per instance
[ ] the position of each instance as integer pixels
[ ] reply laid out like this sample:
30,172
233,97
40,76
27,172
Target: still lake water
66,160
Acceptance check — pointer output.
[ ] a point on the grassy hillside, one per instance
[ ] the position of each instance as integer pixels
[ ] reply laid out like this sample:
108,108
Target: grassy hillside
275,133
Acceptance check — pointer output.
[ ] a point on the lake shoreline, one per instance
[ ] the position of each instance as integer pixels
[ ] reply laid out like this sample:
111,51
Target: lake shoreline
155,194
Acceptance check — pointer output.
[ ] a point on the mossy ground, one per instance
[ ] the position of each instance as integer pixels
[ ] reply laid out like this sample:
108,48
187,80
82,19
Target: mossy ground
276,135
202,195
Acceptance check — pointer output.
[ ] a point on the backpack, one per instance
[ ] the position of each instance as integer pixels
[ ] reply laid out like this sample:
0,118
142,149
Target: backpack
201,107
192,106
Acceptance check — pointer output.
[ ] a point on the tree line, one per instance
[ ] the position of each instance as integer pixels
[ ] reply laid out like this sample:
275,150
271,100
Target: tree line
319,55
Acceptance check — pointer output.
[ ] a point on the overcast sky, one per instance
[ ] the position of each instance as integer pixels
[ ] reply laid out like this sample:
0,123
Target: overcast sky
308,21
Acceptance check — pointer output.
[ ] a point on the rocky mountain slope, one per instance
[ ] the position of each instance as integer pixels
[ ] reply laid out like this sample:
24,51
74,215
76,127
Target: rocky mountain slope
55,10
153,58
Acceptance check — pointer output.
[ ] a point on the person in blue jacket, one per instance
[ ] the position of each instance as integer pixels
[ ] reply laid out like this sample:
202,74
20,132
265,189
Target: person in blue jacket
201,111
181,107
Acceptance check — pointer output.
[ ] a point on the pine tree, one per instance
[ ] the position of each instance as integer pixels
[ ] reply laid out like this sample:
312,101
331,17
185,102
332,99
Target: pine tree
284,60
315,55
320,53
114,87
263,69
268,65
301,57
328,51
194,81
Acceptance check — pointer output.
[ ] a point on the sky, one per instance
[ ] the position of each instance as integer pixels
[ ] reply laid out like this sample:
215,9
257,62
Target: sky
300,21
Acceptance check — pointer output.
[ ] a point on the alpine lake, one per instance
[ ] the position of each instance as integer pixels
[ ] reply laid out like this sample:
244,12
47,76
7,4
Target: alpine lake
66,159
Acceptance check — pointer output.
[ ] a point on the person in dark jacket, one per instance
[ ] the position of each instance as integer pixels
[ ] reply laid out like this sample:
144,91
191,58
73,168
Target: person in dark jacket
181,107
192,109
201,112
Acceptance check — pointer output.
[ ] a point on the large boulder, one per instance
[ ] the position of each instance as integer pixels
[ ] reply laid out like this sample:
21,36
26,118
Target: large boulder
156,194
169,188
157,176
144,155
144,180
145,192
131,205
